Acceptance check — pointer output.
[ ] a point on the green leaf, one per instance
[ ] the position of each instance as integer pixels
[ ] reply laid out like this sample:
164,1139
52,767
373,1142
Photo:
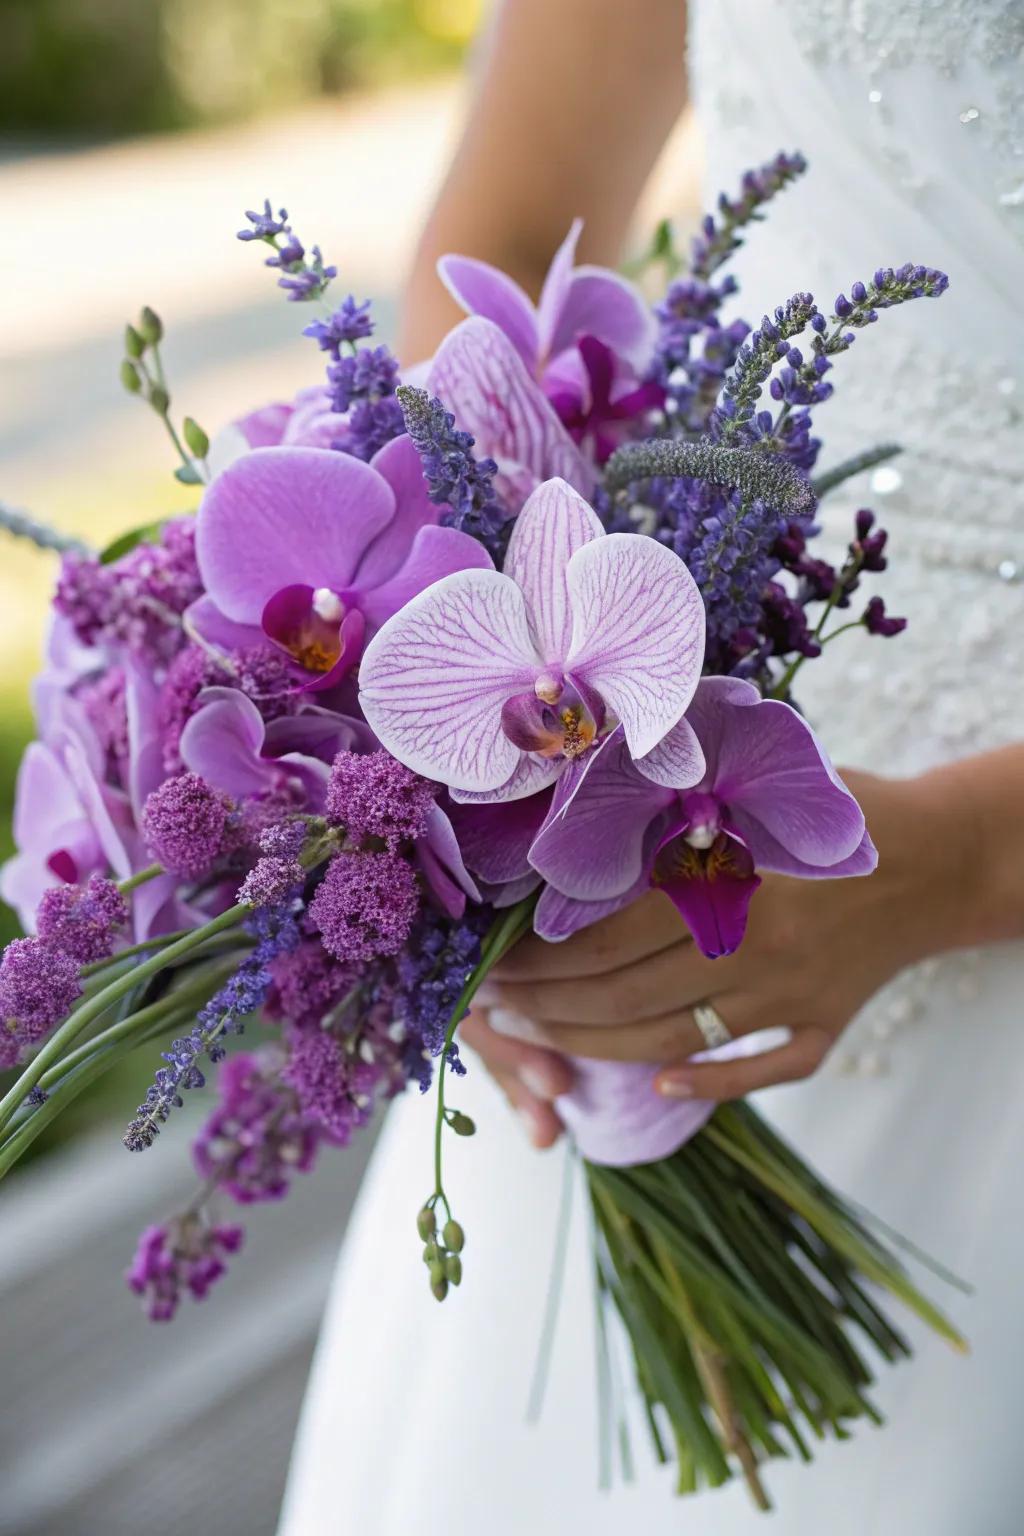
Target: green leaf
126,542
188,475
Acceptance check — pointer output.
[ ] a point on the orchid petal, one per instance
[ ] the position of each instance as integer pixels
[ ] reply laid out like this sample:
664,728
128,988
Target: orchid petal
223,740
435,553
433,680
204,623
553,525
558,917
145,738
714,902
319,733
769,765
600,303
530,775
677,761
481,289
503,896
770,854
638,632
402,468
594,851
443,868
484,382
495,839
247,532
555,293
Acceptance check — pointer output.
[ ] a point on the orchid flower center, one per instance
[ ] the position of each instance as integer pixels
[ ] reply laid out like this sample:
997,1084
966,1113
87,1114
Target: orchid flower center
313,625
554,720
700,849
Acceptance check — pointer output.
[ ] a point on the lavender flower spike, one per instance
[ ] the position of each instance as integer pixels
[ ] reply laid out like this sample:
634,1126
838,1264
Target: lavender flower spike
492,682
767,476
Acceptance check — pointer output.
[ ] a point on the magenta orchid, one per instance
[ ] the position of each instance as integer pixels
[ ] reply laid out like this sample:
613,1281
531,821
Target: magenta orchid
314,550
575,301
600,400
493,682
768,799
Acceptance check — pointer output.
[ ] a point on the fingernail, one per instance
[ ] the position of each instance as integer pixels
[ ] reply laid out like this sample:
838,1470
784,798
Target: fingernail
672,1087
505,1022
539,1082
487,994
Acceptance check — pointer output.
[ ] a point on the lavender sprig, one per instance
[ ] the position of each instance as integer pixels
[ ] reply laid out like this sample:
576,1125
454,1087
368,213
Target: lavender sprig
719,238
456,480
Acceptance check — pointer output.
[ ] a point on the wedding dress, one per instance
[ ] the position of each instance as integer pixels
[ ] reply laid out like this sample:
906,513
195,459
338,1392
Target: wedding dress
911,113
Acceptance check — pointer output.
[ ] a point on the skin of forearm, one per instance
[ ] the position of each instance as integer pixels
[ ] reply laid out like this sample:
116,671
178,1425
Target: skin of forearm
557,128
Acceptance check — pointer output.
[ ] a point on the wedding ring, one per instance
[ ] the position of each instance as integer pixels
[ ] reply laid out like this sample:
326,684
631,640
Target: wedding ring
711,1025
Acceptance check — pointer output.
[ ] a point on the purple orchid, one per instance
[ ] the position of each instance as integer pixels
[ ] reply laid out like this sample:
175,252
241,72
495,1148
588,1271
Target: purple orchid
314,550
768,799
483,381
305,422
493,682
574,302
600,400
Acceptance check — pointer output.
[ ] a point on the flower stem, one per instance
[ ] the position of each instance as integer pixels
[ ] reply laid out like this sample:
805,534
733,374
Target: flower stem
158,942
97,1005
142,877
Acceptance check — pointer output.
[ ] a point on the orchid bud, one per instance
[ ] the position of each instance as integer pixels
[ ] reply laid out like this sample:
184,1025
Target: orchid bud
440,1290
453,1269
195,437
151,327
130,378
133,342
426,1223
453,1236
462,1125
159,399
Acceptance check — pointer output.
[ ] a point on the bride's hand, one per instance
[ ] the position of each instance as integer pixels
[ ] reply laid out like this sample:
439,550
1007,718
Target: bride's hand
814,952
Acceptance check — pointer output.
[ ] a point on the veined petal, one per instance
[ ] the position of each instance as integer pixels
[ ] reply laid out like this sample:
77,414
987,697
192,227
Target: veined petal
553,295
558,917
770,854
484,382
530,775
638,632
594,851
600,303
495,838
435,552
553,525
223,742
433,681
283,517
484,290
677,761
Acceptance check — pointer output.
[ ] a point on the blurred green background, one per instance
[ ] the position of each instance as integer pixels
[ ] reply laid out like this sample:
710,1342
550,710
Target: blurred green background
109,67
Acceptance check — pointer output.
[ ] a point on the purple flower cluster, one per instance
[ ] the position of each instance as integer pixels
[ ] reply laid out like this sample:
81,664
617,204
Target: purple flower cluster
185,1255
184,823
302,279
366,905
257,1137
362,385
83,921
349,323
372,795
260,672
456,480
719,238
135,602
39,985
431,974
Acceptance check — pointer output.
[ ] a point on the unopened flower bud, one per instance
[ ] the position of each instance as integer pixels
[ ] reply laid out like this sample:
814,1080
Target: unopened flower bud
454,1237
436,1273
159,399
462,1125
426,1223
130,377
133,342
150,327
431,1253
440,1290
195,437
453,1268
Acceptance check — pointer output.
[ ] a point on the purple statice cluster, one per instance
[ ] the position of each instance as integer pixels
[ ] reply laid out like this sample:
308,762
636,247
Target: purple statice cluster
185,825
457,481
258,1136
260,672
365,905
278,872
136,602
104,702
82,920
275,930
372,795
185,1255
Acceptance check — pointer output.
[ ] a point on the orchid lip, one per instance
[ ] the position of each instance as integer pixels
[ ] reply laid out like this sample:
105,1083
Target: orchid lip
309,624
553,721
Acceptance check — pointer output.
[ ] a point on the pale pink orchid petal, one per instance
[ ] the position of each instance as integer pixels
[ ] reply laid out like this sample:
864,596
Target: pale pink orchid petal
482,380
601,303
553,525
434,679
223,741
638,635
481,289
530,776
402,468
554,294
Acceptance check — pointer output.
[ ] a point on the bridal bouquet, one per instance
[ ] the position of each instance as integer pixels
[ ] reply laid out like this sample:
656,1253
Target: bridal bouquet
431,664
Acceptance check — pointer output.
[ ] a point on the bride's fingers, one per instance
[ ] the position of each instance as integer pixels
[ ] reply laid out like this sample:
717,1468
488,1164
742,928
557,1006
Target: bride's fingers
542,1073
642,929
539,1117
672,979
670,1038
734,1079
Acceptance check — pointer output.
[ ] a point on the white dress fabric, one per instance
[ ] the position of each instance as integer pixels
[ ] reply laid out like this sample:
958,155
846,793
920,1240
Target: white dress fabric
911,113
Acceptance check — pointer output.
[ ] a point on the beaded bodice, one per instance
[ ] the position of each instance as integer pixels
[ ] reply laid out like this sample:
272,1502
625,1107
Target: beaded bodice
911,114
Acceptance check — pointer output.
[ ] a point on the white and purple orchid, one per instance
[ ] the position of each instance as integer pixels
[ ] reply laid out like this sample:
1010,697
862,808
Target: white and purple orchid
493,682
768,799
314,550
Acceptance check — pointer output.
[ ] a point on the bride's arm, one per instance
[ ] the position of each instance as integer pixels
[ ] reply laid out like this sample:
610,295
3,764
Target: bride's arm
950,875
572,101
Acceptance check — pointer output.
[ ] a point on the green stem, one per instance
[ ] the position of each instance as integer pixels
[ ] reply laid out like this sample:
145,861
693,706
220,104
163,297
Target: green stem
134,949
505,932
141,878
853,624
97,1005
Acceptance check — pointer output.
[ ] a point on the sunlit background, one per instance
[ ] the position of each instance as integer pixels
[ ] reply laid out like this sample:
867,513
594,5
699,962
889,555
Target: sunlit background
132,135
